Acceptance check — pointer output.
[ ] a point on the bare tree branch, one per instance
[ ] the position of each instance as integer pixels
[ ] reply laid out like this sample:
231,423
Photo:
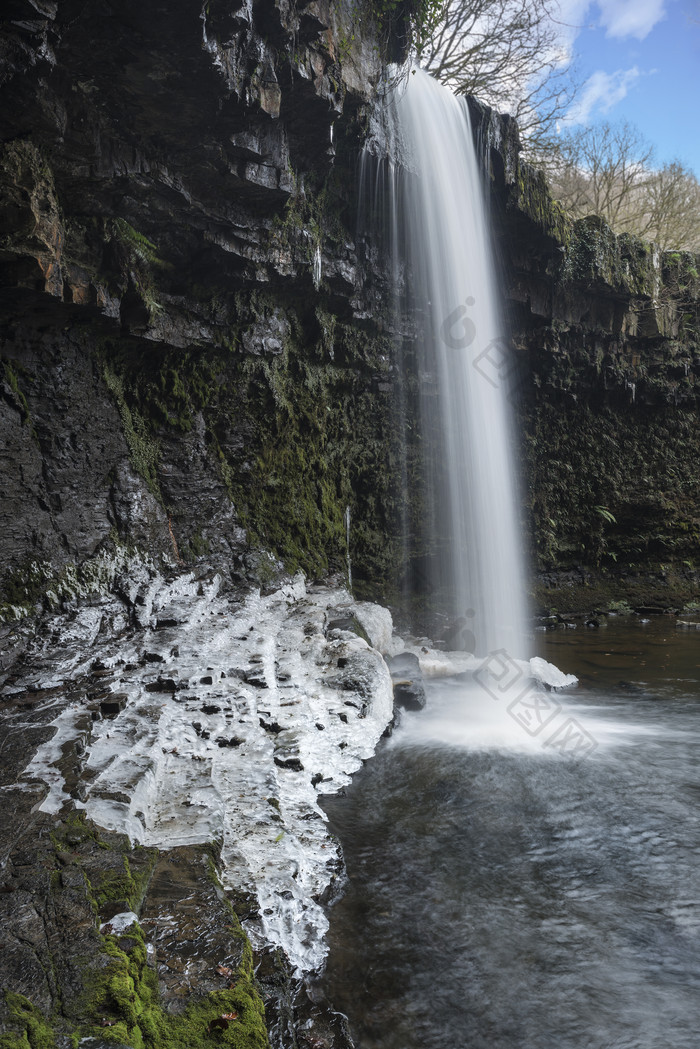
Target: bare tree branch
609,170
508,54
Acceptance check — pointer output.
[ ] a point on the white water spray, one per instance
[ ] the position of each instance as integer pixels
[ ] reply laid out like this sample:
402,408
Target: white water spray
463,364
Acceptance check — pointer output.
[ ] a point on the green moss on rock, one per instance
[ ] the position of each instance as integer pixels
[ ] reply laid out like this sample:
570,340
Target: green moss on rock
121,1003
26,1027
533,199
113,992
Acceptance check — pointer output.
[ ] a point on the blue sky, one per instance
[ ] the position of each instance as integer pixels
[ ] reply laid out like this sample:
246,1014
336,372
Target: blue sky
639,60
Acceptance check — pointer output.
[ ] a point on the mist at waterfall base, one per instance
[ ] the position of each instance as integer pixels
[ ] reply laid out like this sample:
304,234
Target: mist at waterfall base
462,530
505,891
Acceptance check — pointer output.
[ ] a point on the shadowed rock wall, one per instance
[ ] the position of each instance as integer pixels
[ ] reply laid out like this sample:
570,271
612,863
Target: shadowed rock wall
193,360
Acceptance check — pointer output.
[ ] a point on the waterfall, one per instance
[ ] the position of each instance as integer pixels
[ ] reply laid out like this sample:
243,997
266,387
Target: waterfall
347,547
470,501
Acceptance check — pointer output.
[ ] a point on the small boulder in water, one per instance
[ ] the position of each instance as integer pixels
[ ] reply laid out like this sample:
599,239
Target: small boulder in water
407,679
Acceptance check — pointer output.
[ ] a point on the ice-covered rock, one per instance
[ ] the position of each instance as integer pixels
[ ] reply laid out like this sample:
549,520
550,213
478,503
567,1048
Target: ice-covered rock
231,718
120,922
550,675
377,624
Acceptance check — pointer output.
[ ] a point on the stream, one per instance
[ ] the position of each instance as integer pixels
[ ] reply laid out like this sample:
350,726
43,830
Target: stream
504,893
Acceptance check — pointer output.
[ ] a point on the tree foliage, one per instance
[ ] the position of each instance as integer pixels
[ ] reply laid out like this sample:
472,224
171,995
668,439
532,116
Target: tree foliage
406,23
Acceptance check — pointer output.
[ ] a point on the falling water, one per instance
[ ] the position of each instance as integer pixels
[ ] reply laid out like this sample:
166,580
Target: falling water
463,366
505,889
347,546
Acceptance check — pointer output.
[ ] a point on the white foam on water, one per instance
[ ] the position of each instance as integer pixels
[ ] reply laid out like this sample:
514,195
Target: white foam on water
527,707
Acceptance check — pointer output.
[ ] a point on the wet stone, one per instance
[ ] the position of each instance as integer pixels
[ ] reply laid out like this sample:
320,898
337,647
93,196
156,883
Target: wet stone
114,704
256,678
290,762
407,679
162,684
270,726
187,921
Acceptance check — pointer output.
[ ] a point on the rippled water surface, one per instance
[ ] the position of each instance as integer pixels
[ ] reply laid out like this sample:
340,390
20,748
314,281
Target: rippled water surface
504,894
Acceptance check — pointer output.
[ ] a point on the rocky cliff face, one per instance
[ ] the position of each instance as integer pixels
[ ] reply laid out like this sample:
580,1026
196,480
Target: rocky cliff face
605,377
194,372
197,352
192,358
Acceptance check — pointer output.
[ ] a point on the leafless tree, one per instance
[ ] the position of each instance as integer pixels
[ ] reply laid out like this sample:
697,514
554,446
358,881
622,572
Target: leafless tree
673,195
609,170
507,53
600,170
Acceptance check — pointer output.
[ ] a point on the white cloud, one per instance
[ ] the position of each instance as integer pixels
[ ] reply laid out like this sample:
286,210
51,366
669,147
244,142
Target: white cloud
623,18
619,18
569,18
600,93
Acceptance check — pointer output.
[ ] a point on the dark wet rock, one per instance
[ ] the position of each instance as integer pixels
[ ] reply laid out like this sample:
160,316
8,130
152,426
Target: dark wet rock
298,1014
167,181
259,680
187,923
285,761
410,695
406,664
270,726
221,741
407,677
114,704
163,684
74,877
